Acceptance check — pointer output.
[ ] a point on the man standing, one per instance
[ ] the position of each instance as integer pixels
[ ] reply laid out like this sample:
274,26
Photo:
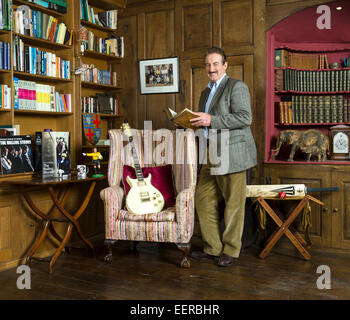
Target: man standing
224,105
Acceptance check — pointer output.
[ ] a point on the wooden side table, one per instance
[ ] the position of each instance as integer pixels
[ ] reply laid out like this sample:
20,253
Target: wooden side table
284,225
49,184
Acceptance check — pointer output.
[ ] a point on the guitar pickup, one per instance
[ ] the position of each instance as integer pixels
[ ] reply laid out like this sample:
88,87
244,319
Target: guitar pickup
144,196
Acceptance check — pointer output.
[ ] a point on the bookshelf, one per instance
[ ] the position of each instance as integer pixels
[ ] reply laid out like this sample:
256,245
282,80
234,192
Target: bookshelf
57,45
101,54
303,91
20,228
315,95
31,118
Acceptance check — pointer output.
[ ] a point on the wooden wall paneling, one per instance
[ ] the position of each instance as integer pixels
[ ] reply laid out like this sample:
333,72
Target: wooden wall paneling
108,4
196,80
128,97
141,54
258,104
5,234
278,2
138,7
237,26
194,27
159,35
92,220
239,67
17,228
217,25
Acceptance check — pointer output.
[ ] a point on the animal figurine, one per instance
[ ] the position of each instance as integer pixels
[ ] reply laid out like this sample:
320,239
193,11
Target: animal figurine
312,142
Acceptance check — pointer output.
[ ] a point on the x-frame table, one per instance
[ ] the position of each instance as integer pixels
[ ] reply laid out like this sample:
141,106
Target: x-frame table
284,225
49,184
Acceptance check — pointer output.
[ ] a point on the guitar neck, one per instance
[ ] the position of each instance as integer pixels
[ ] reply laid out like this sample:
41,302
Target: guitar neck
138,170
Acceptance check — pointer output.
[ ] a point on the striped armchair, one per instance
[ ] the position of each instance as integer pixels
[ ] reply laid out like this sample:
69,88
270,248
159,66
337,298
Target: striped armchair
174,224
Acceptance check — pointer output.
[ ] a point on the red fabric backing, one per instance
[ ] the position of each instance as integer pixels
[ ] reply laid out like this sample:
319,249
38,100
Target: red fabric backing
162,179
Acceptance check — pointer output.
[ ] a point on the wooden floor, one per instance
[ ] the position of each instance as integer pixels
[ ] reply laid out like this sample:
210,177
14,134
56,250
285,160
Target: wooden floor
152,273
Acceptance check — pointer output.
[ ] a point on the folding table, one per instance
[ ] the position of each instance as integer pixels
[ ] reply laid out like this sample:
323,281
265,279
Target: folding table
284,222
49,185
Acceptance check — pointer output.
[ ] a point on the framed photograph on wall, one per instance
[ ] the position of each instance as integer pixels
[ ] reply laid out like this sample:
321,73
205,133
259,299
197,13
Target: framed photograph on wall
159,75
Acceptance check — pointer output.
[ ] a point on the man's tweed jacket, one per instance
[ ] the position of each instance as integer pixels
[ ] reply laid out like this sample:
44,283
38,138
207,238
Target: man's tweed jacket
230,109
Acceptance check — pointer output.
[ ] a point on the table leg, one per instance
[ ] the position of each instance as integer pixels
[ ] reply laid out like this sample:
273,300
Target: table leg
61,246
50,217
284,229
73,219
38,242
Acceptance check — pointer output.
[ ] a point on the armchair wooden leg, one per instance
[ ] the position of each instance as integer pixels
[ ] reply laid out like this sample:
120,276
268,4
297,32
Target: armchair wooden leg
109,256
185,248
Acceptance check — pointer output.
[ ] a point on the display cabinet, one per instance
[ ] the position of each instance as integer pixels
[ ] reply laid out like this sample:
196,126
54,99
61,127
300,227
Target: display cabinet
25,50
100,54
308,87
307,78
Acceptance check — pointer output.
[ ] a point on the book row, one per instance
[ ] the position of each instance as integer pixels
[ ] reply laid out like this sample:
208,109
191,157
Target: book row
313,109
95,75
312,81
40,25
5,55
112,46
5,97
101,103
57,5
286,59
108,19
29,95
6,15
36,61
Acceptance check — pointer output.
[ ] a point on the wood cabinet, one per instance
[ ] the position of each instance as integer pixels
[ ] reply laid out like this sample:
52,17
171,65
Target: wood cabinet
331,222
340,209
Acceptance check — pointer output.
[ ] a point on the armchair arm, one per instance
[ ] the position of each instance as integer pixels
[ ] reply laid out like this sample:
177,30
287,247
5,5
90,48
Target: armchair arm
113,199
185,214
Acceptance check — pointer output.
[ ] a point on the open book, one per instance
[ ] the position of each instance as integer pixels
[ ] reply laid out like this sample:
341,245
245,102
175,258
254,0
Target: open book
182,118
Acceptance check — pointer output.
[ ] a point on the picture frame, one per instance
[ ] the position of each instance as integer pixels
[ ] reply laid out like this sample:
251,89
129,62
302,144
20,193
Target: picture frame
159,75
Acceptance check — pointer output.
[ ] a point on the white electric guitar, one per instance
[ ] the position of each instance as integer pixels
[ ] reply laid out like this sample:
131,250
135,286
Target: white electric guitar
142,198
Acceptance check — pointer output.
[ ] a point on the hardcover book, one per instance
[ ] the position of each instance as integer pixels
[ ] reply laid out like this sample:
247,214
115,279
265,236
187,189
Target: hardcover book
182,118
16,154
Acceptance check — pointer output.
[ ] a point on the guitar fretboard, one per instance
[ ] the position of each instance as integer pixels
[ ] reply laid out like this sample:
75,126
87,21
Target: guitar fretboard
138,170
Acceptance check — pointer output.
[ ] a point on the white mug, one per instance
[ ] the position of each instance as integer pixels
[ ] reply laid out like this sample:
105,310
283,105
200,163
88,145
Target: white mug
82,170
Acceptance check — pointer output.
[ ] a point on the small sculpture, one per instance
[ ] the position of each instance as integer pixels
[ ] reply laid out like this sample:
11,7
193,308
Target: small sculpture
312,142
96,157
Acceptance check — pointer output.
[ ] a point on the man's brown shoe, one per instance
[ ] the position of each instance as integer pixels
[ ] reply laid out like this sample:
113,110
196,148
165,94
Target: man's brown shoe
200,255
226,260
